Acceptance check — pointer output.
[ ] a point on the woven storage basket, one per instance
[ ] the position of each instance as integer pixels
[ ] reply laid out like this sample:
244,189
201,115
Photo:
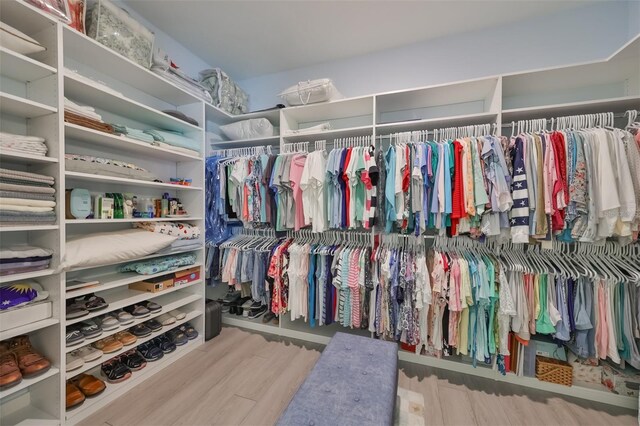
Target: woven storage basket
554,371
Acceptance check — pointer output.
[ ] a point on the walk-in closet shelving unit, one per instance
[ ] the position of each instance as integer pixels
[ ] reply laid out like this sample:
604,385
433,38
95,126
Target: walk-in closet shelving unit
610,85
32,102
215,117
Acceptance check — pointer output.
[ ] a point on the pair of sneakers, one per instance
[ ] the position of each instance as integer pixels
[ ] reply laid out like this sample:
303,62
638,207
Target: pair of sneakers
119,369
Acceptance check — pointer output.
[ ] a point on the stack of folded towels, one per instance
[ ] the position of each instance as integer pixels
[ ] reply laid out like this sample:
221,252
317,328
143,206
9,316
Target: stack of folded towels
21,259
26,198
132,132
85,116
20,144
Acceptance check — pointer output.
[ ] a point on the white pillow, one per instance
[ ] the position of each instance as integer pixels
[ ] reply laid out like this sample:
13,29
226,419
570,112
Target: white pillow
248,129
18,41
112,247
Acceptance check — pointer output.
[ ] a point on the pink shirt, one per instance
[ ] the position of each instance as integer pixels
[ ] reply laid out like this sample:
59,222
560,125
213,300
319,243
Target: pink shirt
295,176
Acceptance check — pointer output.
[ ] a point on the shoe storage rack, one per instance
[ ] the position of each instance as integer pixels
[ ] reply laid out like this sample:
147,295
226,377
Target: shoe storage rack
610,85
32,91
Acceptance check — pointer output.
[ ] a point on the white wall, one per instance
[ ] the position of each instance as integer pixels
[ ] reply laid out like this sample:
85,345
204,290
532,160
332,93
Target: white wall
580,35
188,61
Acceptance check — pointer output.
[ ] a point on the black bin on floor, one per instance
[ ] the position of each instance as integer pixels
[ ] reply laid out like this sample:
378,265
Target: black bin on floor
212,319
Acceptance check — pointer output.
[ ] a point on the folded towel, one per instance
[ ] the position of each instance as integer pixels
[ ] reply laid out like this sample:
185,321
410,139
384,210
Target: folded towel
14,271
25,259
4,136
26,188
26,175
15,181
17,208
73,118
26,195
8,151
82,110
23,251
26,202
174,138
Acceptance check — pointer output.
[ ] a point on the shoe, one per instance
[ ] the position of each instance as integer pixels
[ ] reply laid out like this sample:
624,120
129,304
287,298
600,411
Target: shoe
125,338
164,344
138,311
257,312
75,310
107,322
92,303
74,396
153,307
29,361
231,296
90,329
89,385
246,307
188,330
9,370
153,325
123,317
140,330
268,317
88,353
115,371
74,336
108,345
150,351
133,360
74,361
177,337
178,315
236,307
166,319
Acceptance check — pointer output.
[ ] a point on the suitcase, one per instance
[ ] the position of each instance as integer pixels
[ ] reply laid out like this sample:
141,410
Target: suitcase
212,319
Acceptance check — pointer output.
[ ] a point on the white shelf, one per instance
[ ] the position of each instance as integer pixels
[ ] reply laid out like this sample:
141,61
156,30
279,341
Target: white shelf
434,123
29,416
119,279
22,68
151,256
85,50
105,357
572,108
325,111
20,228
329,135
217,115
25,17
83,92
124,144
27,382
86,177
115,390
26,159
133,220
26,275
119,298
22,107
171,302
271,140
26,329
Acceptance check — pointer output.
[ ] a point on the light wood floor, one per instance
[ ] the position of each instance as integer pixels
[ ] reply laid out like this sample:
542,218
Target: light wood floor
247,378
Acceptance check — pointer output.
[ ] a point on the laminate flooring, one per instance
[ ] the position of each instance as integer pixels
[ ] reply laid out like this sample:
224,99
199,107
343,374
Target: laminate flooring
247,378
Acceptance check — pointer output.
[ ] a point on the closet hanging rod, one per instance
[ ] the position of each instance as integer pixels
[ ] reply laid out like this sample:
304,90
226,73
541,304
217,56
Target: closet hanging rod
615,115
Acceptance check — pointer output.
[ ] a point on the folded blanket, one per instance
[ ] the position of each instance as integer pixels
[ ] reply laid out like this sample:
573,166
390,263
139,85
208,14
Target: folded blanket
81,110
24,146
132,133
23,252
25,259
15,265
4,136
17,217
8,151
4,207
19,174
26,188
174,138
184,231
26,202
161,264
73,118
26,195
16,181
23,270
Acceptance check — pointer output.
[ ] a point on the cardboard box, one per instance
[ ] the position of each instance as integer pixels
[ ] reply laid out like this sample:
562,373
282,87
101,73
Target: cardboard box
187,276
584,372
153,285
621,381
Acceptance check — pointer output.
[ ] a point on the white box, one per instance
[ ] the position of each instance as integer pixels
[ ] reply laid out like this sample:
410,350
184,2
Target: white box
24,315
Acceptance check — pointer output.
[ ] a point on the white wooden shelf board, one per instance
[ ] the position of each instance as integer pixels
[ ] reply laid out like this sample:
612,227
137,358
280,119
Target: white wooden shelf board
29,416
22,228
217,115
572,108
105,357
26,275
177,301
133,220
22,107
77,176
26,329
329,135
31,20
271,140
83,92
19,67
26,159
343,108
436,123
27,382
119,279
124,144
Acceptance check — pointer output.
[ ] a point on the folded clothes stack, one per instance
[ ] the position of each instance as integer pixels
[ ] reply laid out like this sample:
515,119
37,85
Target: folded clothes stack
132,133
26,198
174,140
20,144
85,116
22,259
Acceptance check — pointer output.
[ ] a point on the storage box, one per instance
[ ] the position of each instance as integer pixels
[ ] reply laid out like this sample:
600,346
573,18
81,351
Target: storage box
187,276
584,372
26,314
621,381
153,285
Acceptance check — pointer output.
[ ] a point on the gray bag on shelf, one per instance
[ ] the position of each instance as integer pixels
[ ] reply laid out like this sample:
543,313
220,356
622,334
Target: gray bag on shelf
226,94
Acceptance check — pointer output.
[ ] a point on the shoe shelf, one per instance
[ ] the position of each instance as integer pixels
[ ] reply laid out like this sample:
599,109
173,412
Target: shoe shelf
115,390
26,275
27,382
28,328
119,279
106,357
23,107
168,302
121,297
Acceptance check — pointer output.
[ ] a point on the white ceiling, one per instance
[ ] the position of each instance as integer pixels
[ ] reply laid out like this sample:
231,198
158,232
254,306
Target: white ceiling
252,38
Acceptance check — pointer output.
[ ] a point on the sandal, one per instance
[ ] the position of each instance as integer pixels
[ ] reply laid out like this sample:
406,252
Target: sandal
140,330
123,317
166,319
75,310
107,322
133,360
152,306
115,371
138,311
125,338
150,352
189,331
92,302
89,385
164,344
153,325
108,345
177,337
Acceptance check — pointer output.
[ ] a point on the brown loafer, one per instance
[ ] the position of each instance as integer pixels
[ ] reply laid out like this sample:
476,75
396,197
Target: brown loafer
108,345
29,361
74,396
126,338
89,385
9,371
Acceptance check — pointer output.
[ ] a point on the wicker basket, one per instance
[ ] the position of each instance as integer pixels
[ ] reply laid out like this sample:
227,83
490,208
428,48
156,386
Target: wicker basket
554,371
